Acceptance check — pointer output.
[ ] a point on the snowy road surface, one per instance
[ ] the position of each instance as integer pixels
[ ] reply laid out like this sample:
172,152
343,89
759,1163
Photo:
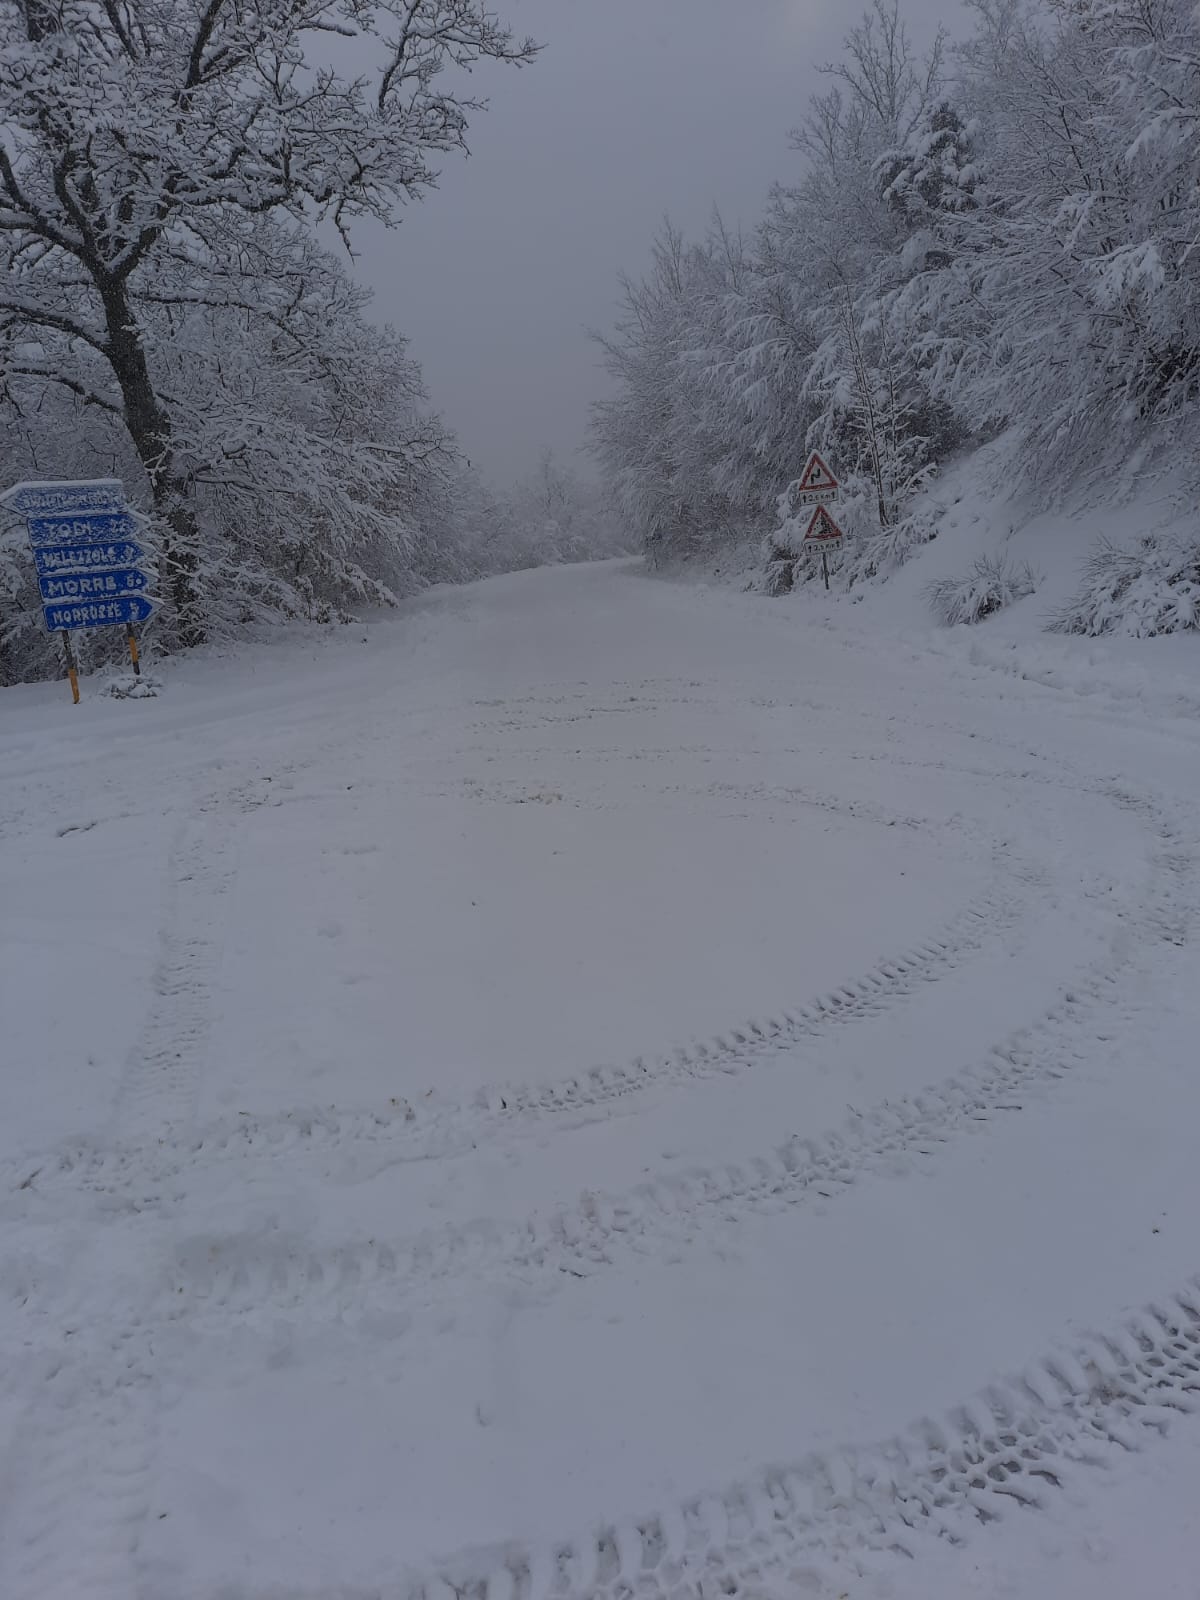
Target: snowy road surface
596,1088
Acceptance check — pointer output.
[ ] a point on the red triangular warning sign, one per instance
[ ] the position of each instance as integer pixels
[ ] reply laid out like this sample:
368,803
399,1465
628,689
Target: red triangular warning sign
823,529
816,475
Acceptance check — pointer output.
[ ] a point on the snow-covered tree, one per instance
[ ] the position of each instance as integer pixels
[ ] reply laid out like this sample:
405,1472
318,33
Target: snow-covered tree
1067,300
313,459
736,356
1002,236
651,436
155,152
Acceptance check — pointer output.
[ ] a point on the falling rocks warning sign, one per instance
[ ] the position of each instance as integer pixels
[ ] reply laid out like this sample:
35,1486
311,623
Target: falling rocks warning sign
822,529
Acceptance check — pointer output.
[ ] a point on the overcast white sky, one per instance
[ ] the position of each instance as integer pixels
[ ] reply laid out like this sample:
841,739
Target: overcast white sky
635,107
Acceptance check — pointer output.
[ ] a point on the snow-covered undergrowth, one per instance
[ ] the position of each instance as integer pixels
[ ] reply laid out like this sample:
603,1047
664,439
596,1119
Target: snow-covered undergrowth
1094,559
993,583
881,555
1146,588
981,545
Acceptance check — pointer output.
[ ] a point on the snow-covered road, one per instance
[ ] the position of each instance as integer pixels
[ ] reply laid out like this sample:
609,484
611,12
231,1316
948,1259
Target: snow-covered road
596,1088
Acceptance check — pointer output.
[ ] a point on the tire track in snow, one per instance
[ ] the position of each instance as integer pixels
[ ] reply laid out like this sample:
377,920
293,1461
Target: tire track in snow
72,1515
1012,1448
85,1441
430,1128
158,1087
237,1279
157,1091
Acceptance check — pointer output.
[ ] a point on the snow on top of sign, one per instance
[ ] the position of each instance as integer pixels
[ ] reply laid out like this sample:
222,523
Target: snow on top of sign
107,494
62,483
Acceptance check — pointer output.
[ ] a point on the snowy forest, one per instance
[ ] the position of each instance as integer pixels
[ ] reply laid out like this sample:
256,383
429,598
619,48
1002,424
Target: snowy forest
994,235
990,235
178,194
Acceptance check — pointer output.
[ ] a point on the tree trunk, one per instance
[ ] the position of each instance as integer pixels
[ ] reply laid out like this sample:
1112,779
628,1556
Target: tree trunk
150,429
866,401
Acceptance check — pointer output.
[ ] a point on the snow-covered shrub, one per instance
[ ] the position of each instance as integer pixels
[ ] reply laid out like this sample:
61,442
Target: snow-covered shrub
783,547
1144,589
779,573
881,553
993,583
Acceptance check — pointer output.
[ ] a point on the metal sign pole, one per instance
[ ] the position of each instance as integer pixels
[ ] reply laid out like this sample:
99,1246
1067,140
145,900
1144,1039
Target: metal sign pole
825,566
72,672
131,637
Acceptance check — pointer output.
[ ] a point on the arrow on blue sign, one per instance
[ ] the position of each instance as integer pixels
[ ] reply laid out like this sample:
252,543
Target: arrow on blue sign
97,527
97,613
94,585
86,557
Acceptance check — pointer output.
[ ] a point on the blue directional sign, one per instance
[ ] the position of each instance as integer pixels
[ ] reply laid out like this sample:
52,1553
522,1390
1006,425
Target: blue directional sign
86,555
81,527
94,585
61,558
98,613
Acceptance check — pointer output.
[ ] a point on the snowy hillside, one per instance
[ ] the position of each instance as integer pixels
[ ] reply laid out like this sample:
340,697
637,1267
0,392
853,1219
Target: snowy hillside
985,507
592,1086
